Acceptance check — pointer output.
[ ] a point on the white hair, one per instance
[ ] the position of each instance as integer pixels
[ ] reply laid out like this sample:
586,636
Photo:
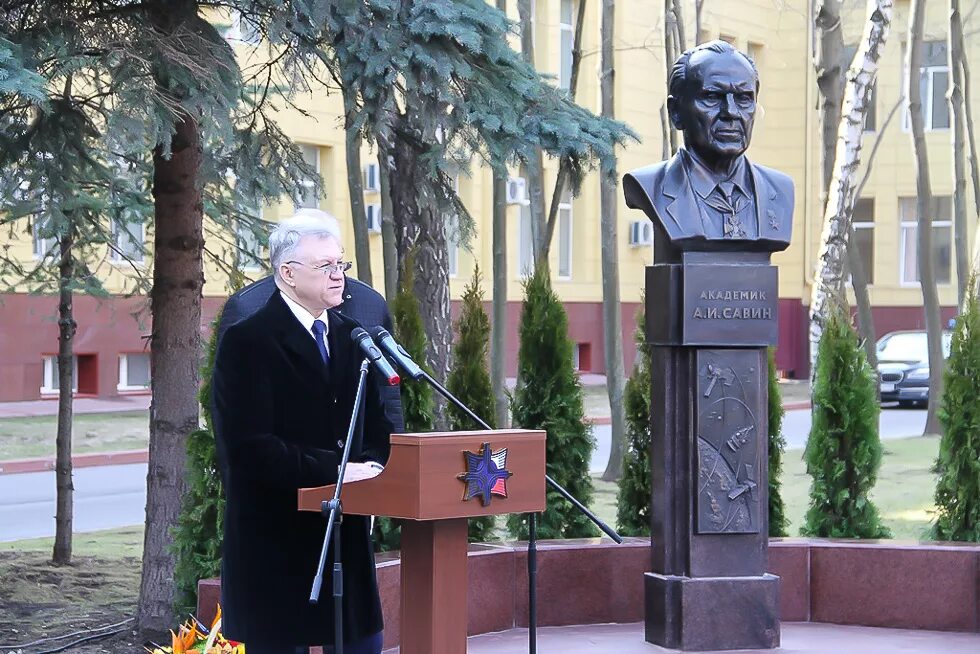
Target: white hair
287,234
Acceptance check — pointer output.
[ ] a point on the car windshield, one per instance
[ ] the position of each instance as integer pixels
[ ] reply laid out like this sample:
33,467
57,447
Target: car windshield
909,346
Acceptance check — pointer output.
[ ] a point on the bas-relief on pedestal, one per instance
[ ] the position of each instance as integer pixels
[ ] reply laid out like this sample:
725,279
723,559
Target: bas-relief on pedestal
711,316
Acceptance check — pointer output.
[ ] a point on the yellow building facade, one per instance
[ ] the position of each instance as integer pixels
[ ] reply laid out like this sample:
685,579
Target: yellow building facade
777,35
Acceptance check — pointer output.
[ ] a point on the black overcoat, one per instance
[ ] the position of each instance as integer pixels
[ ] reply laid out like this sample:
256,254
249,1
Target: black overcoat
281,418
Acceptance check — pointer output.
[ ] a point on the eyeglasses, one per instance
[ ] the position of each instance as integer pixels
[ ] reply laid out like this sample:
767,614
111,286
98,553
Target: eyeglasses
328,268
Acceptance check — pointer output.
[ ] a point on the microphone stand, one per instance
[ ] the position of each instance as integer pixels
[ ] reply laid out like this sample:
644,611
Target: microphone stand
335,516
532,548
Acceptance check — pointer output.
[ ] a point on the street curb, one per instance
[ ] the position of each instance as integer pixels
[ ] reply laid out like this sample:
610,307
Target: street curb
45,464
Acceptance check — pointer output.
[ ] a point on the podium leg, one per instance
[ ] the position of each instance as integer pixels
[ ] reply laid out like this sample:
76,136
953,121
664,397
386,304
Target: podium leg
433,586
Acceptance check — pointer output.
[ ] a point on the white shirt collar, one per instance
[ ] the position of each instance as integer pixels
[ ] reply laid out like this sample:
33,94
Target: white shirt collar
304,317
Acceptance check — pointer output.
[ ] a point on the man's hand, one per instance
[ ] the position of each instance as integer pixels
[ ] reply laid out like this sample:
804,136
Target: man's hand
361,471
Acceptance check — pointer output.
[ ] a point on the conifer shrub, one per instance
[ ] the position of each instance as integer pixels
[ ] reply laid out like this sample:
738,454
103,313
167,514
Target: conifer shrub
635,492
843,453
778,523
417,402
469,379
198,534
958,462
549,397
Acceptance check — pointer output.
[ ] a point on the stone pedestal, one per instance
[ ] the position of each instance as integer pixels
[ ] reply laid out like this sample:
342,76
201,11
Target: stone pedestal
711,613
710,320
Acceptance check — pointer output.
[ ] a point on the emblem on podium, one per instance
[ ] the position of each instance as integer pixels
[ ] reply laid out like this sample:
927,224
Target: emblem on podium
486,474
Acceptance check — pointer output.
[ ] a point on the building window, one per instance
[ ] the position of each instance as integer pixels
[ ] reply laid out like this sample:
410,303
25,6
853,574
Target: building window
864,237
870,117
566,40
128,236
525,249
452,242
565,236
933,85
50,383
730,40
754,51
942,239
40,232
248,245
134,371
308,196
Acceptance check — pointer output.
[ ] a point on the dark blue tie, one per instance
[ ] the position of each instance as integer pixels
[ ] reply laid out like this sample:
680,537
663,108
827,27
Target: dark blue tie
319,327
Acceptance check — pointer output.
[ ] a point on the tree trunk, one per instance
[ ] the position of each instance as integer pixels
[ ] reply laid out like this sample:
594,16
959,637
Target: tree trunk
859,282
534,166
498,347
850,137
562,176
680,39
498,334
958,137
698,7
420,227
389,243
859,279
830,68
925,206
355,187
175,357
612,331
670,56
66,382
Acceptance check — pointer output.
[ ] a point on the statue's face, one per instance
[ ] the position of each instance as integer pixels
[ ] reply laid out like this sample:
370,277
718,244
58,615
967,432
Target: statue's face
718,109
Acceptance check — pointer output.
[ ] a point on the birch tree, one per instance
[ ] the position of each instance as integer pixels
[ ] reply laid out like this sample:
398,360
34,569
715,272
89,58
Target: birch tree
861,75
925,207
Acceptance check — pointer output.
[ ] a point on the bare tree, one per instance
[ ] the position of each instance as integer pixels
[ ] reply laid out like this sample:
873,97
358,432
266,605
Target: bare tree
925,207
611,317
671,52
859,277
828,279
830,62
958,142
562,178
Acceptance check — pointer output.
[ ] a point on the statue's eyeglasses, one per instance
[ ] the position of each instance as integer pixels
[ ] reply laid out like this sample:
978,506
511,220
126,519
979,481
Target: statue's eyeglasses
328,268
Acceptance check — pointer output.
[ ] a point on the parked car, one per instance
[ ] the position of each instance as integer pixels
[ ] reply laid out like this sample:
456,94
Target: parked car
903,366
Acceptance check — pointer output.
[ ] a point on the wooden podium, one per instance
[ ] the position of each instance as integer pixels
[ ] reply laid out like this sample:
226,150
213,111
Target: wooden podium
421,485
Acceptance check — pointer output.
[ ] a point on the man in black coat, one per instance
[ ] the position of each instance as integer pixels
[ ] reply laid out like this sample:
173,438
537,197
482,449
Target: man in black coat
284,385
360,302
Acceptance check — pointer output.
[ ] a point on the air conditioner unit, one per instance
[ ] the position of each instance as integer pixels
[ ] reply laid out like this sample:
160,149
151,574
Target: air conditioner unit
516,190
373,212
641,233
372,180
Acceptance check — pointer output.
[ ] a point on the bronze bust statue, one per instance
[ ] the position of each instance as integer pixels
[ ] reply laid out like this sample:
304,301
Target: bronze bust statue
709,197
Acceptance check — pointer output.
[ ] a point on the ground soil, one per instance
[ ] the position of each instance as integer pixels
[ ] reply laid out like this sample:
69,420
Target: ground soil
39,600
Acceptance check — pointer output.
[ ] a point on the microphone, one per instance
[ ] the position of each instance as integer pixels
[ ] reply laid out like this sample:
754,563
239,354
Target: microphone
373,354
397,353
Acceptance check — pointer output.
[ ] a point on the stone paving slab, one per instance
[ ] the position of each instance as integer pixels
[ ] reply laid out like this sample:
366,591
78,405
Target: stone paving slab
797,638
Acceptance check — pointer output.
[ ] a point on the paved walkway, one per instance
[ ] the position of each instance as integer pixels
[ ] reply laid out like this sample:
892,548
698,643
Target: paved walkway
49,407
797,638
